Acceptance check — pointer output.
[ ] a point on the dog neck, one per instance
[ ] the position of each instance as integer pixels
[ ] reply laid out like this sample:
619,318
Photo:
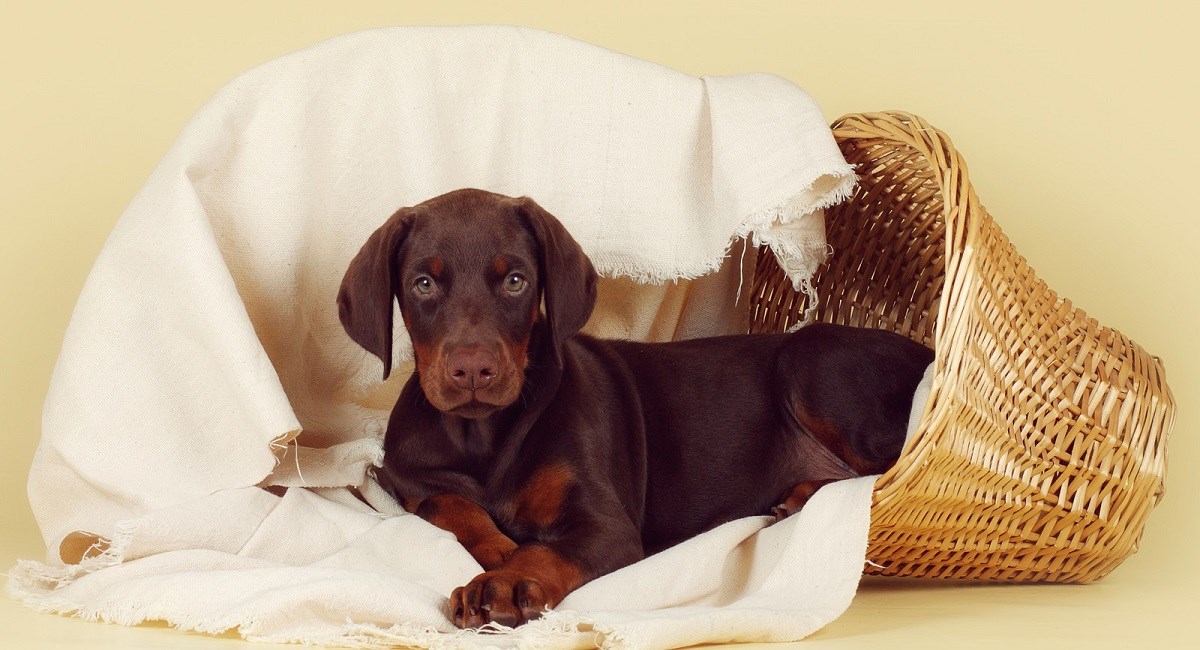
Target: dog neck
495,439
478,438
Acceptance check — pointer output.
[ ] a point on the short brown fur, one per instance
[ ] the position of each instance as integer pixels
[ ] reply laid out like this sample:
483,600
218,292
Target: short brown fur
586,455
540,502
471,525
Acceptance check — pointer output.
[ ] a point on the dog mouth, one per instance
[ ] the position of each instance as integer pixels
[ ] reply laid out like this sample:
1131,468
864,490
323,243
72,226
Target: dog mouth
474,408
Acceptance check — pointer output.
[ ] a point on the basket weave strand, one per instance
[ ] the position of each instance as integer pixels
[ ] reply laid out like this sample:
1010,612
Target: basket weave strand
1042,447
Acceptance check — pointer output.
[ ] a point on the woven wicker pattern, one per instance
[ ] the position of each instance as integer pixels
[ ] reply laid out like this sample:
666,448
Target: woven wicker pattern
1042,448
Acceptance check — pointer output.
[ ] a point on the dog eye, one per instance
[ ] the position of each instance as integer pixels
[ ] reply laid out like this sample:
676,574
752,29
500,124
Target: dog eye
424,285
515,283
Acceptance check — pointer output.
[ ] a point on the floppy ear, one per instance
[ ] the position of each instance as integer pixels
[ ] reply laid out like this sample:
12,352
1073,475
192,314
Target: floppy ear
369,286
565,273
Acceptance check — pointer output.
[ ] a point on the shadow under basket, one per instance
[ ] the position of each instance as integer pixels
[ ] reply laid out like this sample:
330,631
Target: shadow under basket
1043,445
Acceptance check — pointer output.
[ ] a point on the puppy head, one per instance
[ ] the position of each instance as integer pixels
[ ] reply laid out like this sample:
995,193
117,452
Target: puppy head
471,270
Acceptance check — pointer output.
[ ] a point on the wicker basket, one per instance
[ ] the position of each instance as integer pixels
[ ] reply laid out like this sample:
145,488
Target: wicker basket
1042,447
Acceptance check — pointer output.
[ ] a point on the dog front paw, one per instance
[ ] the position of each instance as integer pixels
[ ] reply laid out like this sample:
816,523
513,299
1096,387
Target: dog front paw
502,596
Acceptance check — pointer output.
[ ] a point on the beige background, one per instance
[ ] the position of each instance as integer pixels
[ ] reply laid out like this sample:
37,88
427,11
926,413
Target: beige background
1078,121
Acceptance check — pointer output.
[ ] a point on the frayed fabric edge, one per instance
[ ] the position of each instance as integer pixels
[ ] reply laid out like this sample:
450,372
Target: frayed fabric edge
556,629
569,632
27,573
351,636
36,585
22,586
799,260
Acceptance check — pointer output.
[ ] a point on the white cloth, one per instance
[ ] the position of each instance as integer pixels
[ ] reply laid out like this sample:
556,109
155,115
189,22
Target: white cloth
206,338
303,568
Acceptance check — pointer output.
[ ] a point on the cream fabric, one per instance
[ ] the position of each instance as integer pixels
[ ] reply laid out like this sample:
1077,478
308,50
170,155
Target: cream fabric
205,358
315,568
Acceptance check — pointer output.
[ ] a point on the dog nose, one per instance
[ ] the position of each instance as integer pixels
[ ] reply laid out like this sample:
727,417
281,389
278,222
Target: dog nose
471,367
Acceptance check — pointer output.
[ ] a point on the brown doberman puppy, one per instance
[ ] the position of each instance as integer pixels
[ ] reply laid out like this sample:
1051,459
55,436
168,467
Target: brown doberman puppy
556,457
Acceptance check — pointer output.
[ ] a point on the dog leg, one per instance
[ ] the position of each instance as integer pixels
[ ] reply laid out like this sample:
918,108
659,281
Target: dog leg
471,524
794,500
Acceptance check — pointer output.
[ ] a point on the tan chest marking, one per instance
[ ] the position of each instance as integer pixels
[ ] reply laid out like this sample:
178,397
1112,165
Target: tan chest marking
540,502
